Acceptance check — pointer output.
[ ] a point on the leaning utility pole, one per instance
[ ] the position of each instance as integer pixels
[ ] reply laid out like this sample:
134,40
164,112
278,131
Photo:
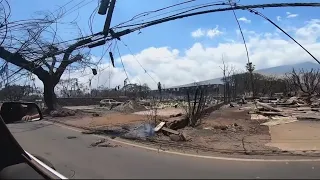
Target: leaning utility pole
104,6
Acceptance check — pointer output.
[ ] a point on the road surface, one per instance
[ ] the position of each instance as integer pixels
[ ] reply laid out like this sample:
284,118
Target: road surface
71,154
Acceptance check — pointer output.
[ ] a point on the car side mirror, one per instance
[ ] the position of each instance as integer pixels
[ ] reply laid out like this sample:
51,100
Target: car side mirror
20,111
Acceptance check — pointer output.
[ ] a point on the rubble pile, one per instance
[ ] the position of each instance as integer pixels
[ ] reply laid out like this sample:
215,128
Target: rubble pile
174,103
315,103
174,135
62,112
142,132
172,126
163,105
282,111
129,106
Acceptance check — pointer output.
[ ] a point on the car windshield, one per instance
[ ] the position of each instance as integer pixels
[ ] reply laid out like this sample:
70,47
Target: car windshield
164,89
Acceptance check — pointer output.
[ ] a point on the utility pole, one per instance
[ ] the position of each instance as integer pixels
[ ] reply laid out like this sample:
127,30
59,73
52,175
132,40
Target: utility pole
105,5
109,16
125,86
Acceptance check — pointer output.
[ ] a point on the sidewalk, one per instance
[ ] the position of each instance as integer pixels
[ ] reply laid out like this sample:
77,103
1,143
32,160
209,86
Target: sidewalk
296,136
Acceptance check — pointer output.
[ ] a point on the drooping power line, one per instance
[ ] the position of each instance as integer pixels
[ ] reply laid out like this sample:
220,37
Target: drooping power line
266,18
149,12
240,29
135,58
123,64
244,7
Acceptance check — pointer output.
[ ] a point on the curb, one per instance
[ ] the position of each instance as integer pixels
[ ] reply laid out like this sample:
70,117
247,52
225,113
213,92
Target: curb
121,141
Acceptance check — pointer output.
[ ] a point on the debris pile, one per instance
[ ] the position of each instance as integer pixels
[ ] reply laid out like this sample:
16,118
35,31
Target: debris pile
285,111
129,106
163,105
291,102
141,132
62,112
177,122
170,126
315,103
100,141
174,103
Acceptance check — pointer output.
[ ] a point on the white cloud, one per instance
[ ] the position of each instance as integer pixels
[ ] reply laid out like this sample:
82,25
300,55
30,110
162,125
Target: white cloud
199,62
211,33
290,15
198,33
244,19
310,33
278,18
245,31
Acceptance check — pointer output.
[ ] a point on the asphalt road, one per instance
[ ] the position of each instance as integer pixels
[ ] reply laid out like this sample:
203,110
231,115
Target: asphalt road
71,154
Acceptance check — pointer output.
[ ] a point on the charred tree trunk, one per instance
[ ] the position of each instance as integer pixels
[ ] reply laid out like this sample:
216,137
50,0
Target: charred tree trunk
252,85
49,95
194,111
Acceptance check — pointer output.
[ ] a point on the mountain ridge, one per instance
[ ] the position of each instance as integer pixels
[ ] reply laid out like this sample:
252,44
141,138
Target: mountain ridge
288,68
277,70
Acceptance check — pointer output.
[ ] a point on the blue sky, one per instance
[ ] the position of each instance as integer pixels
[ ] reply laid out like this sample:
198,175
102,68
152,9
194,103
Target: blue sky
177,35
174,34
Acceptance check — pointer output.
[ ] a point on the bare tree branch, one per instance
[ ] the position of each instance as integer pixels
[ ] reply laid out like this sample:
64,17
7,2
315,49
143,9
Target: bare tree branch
18,60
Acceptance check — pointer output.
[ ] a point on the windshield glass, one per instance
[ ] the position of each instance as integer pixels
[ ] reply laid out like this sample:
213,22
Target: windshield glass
164,89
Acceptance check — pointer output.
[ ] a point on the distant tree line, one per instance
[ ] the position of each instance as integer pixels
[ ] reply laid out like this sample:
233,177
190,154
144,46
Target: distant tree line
297,82
19,92
73,88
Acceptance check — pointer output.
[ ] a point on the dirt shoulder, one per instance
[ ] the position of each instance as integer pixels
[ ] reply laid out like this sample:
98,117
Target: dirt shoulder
227,130
301,135
96,120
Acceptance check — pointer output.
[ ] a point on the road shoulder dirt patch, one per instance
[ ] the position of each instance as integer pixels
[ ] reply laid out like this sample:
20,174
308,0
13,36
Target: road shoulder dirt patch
226,131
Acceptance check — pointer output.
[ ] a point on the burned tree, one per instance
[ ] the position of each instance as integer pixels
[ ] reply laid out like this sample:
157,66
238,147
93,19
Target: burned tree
34,46
272,85
240,83
160,90
289,88
135,90
196,99
264,85
227,80
70,88
250,68
306,81
15,92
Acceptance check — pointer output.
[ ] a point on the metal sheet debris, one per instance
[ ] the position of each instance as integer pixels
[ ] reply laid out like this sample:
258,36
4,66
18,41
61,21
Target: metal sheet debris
159,126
